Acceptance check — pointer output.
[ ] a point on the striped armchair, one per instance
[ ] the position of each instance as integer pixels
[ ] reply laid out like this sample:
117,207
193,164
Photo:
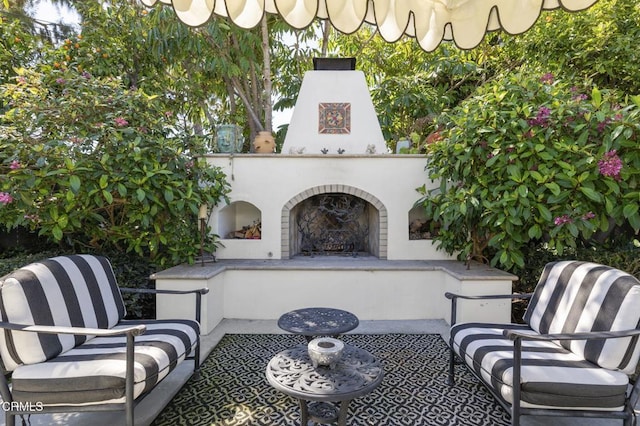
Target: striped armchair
576,354
66,346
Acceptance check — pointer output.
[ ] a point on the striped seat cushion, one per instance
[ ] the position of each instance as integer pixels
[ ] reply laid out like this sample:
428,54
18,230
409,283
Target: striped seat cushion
574,296
94,372
551,376
76,290
571,297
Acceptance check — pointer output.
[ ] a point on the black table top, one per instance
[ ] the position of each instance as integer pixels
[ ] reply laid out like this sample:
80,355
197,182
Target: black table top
318,321
357,373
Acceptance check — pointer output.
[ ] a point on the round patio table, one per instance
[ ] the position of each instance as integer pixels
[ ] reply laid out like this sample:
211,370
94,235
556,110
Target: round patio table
313,322
357,373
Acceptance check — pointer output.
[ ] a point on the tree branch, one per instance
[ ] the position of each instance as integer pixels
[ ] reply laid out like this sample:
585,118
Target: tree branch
266,75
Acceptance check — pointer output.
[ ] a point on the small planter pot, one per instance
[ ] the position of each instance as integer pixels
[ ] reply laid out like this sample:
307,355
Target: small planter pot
325,351
264,143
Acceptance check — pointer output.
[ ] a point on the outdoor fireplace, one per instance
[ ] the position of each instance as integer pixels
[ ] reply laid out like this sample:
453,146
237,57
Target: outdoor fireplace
332,214
333,190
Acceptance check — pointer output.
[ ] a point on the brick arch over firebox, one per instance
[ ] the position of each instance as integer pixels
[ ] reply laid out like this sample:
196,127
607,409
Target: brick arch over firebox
382,225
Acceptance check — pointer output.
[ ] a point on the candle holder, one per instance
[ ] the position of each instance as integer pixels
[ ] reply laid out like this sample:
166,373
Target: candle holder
325,351
202,221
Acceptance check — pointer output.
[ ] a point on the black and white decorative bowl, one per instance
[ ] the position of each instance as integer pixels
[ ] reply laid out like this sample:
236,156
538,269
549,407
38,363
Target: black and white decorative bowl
325,351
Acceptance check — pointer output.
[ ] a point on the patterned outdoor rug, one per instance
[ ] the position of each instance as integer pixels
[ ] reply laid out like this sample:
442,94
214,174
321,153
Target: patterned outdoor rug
233,389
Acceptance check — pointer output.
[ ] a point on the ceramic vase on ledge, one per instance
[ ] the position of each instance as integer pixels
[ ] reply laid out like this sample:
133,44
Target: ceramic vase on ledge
229,138
264,143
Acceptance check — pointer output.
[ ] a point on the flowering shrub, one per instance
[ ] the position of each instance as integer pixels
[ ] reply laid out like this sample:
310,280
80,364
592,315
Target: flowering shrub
5,198
610,165
533,160
90,163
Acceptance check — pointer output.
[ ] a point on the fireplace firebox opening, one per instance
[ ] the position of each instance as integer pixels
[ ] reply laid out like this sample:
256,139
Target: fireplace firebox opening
335,224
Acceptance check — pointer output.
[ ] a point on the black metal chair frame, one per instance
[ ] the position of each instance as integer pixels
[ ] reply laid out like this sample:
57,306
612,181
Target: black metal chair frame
13,408
627,414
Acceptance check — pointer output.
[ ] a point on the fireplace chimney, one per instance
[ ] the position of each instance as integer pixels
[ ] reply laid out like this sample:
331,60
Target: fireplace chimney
334,64
334,113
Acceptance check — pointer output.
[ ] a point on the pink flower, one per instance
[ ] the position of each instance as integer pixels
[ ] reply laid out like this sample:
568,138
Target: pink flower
561,220
542,118
588,215
15,164
5,198
610,165
60,80
120,122
603,124
547,78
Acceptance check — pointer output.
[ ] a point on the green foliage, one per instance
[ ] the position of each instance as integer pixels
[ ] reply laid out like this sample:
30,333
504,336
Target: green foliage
624,258
599,43
90,164
532,159
20,259
134,273
410,88
17,46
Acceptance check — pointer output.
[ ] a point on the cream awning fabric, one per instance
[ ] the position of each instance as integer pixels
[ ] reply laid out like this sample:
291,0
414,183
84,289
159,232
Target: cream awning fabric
464,22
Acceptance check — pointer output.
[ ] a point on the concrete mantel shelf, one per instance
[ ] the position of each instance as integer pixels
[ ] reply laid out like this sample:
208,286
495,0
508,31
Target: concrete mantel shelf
312,156
457,269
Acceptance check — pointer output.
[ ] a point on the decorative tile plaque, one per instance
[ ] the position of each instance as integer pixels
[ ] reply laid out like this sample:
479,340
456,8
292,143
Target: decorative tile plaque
335,118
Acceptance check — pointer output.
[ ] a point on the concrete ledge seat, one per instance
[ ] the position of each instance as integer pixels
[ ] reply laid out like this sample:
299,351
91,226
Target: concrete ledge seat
371,288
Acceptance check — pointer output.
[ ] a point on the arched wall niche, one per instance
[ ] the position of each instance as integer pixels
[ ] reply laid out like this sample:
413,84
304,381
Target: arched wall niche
236,216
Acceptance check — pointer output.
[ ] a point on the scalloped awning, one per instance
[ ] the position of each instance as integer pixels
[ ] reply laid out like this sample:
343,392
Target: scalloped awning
465,22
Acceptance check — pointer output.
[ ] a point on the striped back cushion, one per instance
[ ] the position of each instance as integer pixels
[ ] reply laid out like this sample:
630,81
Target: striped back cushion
574,296
76,290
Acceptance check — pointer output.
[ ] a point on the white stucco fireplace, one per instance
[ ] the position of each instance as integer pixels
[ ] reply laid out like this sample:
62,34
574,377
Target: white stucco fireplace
327,222
334,150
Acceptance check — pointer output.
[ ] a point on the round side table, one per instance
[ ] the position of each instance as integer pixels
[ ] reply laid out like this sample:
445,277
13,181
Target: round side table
357,373
313,322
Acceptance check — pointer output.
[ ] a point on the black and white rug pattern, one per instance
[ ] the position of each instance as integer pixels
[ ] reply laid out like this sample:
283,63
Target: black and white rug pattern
233,390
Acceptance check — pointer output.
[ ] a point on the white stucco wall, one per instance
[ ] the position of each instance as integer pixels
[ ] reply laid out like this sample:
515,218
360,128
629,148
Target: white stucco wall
371,289
269,181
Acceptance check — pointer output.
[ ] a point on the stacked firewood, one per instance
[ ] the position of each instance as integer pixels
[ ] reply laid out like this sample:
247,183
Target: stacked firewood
420,229
249,232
